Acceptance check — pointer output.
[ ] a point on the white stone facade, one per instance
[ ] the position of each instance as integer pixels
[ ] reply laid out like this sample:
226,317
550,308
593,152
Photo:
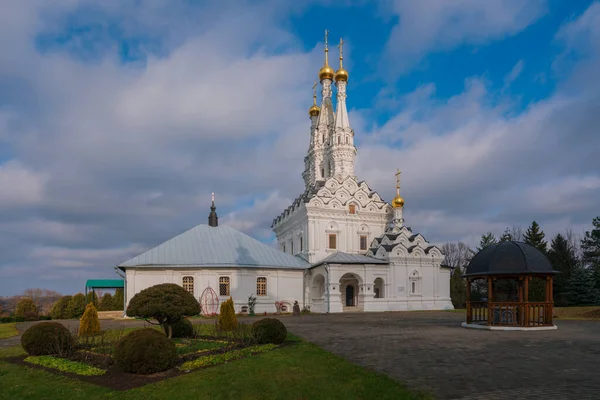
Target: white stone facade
337,213
281,285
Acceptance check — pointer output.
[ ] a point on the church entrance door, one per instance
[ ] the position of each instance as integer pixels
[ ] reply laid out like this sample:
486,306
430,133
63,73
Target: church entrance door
350,296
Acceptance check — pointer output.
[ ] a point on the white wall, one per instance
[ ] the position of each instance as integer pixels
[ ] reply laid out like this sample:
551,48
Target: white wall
282,285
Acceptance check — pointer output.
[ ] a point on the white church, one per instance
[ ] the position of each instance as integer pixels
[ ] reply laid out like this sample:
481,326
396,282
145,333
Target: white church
342,247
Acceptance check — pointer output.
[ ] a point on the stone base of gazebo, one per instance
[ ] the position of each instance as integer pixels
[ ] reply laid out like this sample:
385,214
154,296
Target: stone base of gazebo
509,328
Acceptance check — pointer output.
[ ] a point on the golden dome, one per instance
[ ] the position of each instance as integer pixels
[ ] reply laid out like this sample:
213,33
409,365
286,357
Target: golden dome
326,72
314,110
341,75
398,202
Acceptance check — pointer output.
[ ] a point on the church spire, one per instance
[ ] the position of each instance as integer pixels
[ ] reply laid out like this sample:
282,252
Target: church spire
213,220
343,151
397,204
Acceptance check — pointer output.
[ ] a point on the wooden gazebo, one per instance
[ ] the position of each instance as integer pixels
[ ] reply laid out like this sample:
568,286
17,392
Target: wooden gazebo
516,279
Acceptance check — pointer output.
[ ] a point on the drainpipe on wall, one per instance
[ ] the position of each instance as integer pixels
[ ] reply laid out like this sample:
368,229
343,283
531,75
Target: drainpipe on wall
124,288
304,290
327,285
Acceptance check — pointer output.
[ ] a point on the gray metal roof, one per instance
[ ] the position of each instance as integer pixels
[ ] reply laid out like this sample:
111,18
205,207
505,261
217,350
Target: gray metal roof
219,246
340,257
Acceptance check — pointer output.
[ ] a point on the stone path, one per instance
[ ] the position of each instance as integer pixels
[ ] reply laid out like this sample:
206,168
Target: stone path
430,350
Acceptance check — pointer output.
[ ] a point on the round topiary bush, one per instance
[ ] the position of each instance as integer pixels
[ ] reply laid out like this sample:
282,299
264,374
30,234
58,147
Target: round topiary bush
47,338
269,330
145,351
182,329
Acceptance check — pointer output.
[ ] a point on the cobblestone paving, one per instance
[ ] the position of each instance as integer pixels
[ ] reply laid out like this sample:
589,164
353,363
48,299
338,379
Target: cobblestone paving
431,351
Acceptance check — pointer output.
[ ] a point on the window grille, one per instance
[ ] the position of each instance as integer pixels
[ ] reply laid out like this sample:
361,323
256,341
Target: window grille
261,286
224,286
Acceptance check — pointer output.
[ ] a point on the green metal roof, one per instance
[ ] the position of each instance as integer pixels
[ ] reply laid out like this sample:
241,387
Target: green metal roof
104,283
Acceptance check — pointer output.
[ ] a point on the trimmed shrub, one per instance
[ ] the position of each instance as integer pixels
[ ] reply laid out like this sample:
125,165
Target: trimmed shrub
47,338
167,303
227,320
6,320
182,329
145,351
269,330
89,324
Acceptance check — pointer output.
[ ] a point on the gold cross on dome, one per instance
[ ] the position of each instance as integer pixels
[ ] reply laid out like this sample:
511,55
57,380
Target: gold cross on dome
341,47
326,34
398,178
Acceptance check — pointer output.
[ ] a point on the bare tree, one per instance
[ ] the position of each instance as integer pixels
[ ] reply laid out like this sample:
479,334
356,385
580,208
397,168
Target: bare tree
457,255
516,233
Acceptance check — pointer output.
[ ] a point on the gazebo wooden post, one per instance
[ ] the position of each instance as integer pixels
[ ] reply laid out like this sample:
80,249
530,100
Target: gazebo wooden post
468,293
548,307
526,300
490,298
521,308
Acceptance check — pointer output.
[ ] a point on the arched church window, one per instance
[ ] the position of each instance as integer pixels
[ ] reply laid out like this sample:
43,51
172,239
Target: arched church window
346,139
363,242
339,139
261,286
292,247
224,286
301,244
414,287
323,138
322,172
188,284
332,241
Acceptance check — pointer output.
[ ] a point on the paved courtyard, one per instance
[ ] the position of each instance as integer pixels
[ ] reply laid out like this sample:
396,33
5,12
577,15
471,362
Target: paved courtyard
430,350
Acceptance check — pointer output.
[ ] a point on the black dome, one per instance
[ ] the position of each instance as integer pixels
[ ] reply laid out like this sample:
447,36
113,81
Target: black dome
509,258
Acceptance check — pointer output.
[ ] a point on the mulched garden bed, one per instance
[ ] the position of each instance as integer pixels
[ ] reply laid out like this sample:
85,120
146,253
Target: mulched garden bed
116,379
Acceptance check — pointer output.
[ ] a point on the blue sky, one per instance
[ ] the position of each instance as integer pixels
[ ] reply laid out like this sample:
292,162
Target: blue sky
118,119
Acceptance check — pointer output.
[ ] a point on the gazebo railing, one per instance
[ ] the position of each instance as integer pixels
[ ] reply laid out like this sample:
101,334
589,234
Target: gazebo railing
477,312
529,314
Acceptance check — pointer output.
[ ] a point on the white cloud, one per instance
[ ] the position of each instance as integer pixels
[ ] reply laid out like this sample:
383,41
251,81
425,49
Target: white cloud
436,25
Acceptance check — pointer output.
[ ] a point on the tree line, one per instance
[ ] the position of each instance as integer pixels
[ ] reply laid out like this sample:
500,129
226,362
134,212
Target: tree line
36,304
576,259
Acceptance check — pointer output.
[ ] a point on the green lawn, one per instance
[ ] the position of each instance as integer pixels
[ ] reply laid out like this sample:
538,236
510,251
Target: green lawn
301,371
8,330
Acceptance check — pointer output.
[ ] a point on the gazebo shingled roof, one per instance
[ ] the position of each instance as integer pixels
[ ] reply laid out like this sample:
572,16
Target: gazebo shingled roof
509,258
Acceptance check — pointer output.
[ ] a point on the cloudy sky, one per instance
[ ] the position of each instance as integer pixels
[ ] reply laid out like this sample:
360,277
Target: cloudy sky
119,118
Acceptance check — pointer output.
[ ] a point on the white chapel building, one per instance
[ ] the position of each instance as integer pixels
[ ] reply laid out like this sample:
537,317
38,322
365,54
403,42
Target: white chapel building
342,247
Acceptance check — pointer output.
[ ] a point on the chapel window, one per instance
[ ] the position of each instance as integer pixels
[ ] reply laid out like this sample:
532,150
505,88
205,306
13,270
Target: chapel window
261,286
332,241
352,208
224,286
339,139
301,244
363,242
283,248
188,284
322,172
346,139
292,247
414,287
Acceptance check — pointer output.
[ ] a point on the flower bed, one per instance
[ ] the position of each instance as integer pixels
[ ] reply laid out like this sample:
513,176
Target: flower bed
215,359
65,365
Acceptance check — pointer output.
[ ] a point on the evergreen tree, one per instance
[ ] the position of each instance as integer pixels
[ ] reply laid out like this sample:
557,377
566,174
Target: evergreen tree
581,289
506,236
106,302
590,247
118,300
535,237
89,324
458,288
563,259
486,240
60,308
76,306
26,308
